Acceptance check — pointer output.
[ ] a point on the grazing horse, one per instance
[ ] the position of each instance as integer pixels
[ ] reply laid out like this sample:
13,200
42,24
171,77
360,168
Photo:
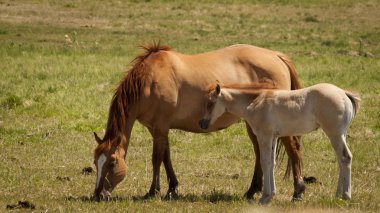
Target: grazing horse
165,90
275,113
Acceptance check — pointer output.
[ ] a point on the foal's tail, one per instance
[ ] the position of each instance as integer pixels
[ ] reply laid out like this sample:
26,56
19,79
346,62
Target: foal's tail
355,100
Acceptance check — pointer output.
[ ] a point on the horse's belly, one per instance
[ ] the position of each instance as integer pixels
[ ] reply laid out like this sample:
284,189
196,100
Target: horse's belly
191,124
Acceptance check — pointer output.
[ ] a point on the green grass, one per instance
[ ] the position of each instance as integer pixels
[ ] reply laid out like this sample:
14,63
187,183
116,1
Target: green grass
61,60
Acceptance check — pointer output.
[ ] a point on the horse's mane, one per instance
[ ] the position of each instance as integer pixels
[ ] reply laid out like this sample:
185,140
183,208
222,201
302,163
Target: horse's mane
245,87
106,145
129,90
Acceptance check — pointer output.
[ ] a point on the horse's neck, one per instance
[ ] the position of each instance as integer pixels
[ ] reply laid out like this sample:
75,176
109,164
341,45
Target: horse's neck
123,131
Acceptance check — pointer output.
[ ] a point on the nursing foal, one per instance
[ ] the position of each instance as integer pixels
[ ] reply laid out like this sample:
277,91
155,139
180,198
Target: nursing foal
273,113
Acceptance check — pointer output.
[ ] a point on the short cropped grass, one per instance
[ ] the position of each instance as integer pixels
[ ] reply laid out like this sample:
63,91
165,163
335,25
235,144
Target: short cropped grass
61,60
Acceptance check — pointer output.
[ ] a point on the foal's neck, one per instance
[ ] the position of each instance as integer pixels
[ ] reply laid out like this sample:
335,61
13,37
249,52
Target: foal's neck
237,101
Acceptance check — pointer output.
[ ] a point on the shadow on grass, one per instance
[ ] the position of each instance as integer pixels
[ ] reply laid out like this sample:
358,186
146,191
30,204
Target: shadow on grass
213,197
89,199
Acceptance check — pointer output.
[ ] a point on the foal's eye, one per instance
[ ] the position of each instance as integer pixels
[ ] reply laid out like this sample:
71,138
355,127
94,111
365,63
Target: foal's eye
210,105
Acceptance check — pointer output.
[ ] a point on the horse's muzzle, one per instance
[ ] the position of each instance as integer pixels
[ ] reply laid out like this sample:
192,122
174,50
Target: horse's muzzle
203,123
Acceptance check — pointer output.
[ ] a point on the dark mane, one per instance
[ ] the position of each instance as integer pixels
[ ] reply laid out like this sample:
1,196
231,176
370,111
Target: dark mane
101,148
129,91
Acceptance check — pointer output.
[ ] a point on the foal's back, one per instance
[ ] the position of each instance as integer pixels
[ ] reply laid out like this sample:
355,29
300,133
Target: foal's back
297,112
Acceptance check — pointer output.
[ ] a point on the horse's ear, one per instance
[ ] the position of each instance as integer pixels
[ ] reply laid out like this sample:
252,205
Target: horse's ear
217,89
97,138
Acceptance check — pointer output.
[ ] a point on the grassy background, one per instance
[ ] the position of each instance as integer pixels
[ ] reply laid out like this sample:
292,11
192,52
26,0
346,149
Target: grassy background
61,60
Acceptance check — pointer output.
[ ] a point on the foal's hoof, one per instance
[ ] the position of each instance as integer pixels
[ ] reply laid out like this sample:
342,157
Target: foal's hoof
265,199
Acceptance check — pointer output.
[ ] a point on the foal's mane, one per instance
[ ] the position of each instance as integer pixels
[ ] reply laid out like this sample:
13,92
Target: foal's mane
129,90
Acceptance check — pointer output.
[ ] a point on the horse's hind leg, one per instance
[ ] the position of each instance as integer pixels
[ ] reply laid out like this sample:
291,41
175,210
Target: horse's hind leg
344,158
292,147
257,179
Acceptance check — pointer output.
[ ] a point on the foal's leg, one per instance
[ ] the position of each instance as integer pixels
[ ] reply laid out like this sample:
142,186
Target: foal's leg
265,146
344,158
257,179
273,163
292,147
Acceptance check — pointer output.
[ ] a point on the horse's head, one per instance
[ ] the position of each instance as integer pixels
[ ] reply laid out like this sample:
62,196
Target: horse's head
110,166
214,108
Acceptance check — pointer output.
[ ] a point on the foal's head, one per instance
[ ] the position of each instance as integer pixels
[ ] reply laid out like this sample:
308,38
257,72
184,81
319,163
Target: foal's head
110,166
214,107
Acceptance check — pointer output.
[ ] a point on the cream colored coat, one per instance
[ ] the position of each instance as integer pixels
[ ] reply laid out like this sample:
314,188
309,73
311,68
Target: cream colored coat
275,113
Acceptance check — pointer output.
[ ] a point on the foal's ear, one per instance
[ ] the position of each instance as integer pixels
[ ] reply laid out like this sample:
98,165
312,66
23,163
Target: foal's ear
97,138
217,89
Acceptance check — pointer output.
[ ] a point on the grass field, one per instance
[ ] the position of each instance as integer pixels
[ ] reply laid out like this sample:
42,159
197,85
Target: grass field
61,60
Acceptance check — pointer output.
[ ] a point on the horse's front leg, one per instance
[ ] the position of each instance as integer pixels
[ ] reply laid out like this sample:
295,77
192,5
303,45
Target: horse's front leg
160,145
172,179
265,146
161,153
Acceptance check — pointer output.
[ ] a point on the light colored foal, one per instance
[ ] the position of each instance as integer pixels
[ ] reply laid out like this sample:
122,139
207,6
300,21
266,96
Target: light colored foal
273,113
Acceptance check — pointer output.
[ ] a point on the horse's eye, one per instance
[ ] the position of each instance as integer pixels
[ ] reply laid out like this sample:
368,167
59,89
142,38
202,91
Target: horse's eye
113,163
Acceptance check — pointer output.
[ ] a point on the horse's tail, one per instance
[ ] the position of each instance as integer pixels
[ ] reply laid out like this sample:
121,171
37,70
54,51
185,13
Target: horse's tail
294,80
355,100
294,84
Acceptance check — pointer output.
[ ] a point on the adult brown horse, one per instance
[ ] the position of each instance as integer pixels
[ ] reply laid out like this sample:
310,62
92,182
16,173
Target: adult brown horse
166,90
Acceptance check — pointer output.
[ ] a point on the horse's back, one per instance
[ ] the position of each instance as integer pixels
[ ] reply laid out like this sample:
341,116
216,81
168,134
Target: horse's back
180,81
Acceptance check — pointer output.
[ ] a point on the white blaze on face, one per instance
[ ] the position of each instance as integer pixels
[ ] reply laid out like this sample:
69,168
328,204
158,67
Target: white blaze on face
101,160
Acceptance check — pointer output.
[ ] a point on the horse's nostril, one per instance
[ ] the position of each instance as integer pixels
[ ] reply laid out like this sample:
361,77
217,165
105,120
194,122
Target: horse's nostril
203,123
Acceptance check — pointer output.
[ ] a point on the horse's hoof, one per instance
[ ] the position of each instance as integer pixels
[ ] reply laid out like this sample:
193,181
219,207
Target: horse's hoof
299,189
171,195
151,195
105,195
250,193
297,199
95,198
